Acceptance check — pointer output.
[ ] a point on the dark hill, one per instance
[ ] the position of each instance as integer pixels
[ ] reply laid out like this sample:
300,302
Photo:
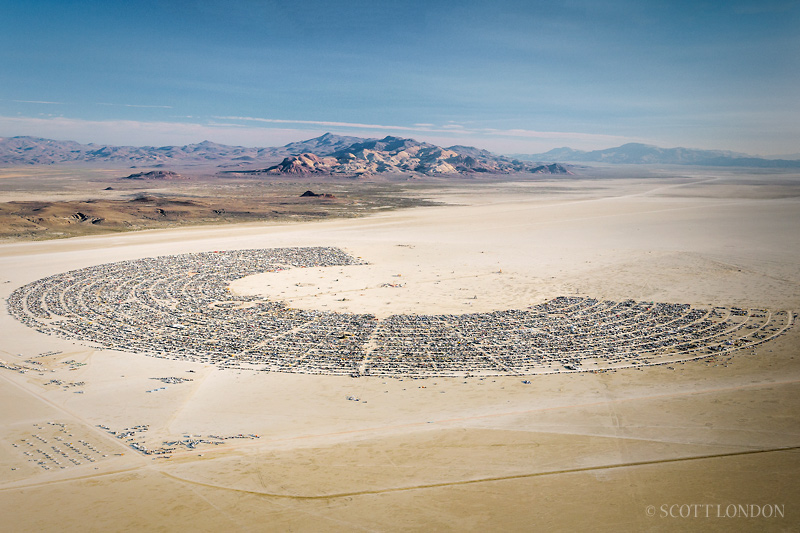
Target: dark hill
155,175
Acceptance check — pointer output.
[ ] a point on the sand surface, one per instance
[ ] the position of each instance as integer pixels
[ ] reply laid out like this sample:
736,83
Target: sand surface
566,452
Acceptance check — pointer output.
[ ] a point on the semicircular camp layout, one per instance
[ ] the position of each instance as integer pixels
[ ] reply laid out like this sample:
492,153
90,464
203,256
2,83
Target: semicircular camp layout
182,307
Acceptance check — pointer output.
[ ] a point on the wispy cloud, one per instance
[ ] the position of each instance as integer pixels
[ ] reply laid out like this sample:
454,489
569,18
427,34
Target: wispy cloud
323,123
140,133
533,134
37,102
227,125
136,105
450,128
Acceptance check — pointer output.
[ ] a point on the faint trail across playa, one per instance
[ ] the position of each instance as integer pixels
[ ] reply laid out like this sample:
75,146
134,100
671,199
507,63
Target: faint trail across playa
490,415
488,479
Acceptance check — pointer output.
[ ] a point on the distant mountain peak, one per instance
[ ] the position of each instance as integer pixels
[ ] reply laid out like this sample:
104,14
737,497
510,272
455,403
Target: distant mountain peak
639,153
321,145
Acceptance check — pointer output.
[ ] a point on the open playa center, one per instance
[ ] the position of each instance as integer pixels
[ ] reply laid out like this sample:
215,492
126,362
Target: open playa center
633,362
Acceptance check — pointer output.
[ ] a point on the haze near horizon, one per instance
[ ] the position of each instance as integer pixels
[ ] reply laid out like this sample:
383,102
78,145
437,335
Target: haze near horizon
511,77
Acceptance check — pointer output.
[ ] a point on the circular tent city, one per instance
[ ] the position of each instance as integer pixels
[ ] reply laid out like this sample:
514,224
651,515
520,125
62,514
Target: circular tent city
181,307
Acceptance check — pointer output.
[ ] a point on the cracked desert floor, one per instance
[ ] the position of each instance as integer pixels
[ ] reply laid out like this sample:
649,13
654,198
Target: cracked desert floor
572,451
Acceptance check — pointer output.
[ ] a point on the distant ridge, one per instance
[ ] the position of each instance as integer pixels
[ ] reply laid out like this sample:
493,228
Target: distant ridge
37,151
636,153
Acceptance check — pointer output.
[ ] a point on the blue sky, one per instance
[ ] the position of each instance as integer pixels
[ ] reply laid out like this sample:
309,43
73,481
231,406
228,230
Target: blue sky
510,76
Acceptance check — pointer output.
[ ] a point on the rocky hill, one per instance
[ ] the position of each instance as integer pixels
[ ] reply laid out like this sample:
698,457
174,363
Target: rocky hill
301,164
155,175
397,155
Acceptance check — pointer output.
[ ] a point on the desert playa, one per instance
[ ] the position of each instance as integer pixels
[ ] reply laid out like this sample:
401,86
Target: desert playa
619,449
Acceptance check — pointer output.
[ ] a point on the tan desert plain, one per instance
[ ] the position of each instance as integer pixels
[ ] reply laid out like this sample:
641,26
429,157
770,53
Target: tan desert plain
711,444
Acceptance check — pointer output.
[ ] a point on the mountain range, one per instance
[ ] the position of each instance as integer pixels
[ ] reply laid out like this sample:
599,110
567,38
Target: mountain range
338,154
329,153
636,153
36,151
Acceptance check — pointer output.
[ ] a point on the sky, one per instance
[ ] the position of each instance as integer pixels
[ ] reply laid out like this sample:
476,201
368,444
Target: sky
509,76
